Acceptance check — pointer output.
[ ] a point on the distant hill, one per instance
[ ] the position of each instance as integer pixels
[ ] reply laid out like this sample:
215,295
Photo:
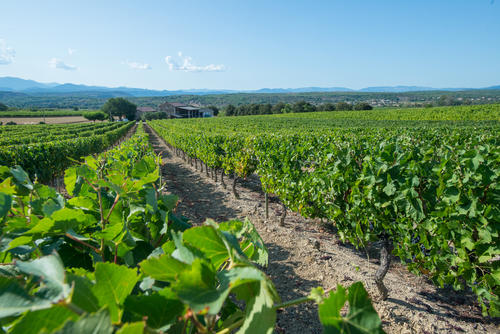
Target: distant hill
17,84
34,88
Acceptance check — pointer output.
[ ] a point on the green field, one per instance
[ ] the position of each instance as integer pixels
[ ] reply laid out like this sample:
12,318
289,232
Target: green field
46,150
425,182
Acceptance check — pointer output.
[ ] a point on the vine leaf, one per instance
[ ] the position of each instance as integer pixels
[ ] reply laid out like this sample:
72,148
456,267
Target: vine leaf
132,328
113,284
15,300
95,323
5,204
361,318
43,321
163,268
206,239
161,308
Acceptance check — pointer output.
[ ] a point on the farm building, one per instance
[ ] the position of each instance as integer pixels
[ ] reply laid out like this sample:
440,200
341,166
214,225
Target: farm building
179,110
141,110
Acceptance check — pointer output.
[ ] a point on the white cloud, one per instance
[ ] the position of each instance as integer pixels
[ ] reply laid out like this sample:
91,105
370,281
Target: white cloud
58,63
137,66
71,51
186,64
6,53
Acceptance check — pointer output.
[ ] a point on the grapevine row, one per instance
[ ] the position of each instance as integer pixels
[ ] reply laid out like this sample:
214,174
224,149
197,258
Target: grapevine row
429,194
45,160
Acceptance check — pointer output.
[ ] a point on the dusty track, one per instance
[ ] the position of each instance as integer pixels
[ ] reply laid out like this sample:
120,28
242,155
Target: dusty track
296,265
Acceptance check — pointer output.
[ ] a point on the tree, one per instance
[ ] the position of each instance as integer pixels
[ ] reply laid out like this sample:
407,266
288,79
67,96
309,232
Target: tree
230,110
147,116
265,109
278,108
3,107
362,106
287,109
326,107
215,109
343,106
303,106
120,107
95,116
445,100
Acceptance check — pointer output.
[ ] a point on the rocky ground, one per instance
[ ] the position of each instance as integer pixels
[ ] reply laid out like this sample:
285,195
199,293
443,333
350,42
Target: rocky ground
305,253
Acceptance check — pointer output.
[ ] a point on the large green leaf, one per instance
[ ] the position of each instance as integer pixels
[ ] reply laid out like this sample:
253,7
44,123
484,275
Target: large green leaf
361,312
261,314
50,270
43,321
163,268
82,296
206,239
197,287
160,308
113,284
94,323
21,177
14,299
5,204
132,328
361,318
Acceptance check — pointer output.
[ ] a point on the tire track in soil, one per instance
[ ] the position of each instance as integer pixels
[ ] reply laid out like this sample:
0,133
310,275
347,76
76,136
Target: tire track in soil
296,264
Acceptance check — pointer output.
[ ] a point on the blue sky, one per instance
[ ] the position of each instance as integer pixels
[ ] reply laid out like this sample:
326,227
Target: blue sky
252,44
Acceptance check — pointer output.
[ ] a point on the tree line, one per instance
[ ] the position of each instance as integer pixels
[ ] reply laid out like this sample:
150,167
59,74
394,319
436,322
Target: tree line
285,108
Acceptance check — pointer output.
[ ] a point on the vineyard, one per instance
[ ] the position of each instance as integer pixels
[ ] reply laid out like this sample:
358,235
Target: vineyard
112,253
424,188
44,151
112,256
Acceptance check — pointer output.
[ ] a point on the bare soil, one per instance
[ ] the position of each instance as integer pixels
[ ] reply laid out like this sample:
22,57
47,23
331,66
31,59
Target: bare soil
48,120
305,253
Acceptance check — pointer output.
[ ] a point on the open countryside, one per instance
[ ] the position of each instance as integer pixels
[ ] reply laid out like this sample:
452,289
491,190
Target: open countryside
245,209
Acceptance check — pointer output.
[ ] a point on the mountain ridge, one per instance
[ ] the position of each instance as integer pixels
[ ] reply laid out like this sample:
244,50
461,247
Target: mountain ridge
32,87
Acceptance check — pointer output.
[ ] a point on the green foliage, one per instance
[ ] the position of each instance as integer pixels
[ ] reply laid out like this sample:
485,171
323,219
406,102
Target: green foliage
230,110
303,106
214,109
326,107
431,188
147,116
96,116
361,318
118,106
362,106
113,257
44,151
343,106
3,107
278,108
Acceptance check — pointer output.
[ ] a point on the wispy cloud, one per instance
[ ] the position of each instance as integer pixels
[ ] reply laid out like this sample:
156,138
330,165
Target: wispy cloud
58,63
185,63
71,51
137,66
7,53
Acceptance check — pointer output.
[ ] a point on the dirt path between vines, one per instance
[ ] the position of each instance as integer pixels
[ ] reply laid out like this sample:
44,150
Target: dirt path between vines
296,264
